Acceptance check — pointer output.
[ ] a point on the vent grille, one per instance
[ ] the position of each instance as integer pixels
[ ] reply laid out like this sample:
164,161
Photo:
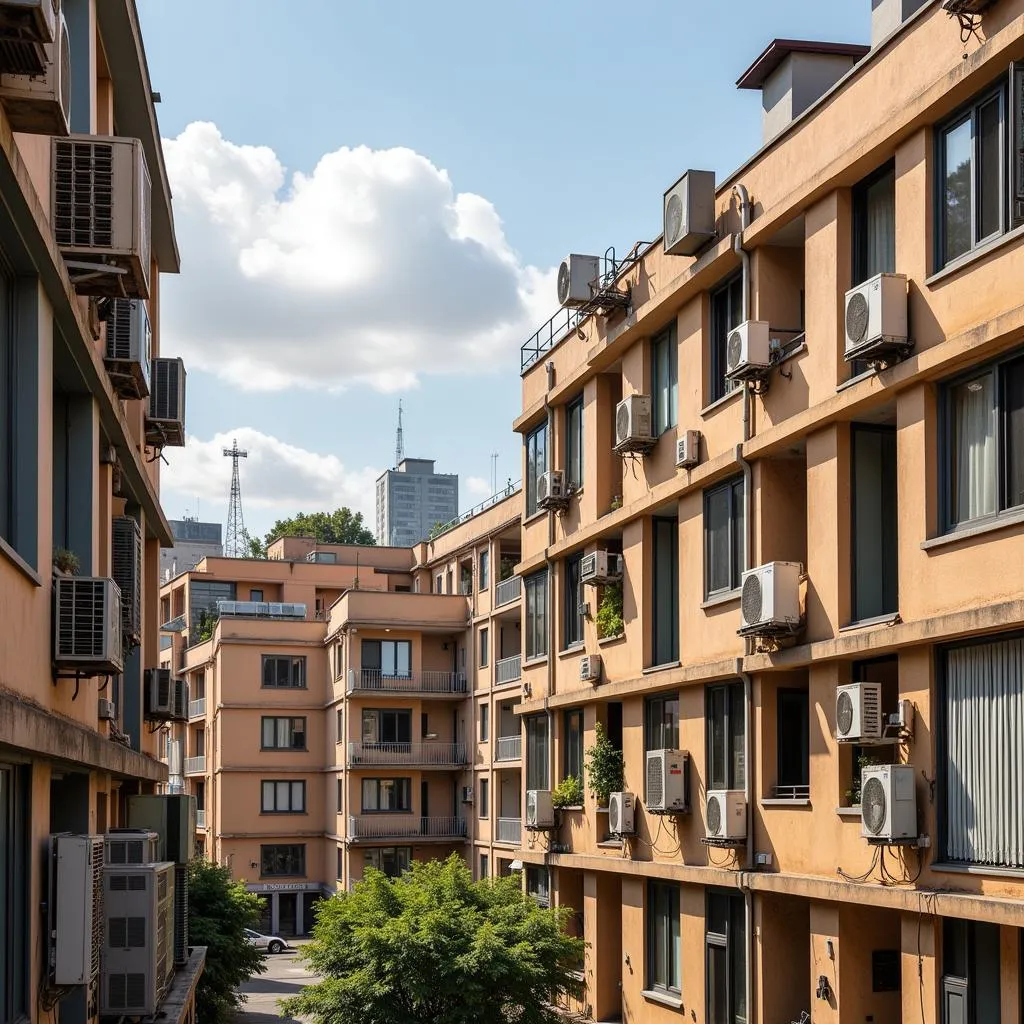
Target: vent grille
126,564
82,618
119,329
844,713
127,883
64,58
126,933
673,219
563,283
622,423
734,353
751,599
97,908
873,805
126,991
181,914
714,816
83,212
165,398
126,852
857,318
655,781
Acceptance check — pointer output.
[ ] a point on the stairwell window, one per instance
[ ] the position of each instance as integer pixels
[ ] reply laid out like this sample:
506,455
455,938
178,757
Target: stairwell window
724,537
536,464
726,316
664,947
665,380
536,624
574,443
283,673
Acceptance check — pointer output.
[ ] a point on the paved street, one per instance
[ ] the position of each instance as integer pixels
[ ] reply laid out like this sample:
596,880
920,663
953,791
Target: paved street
285,975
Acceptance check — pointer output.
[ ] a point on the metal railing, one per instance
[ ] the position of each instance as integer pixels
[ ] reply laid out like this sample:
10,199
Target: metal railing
197,708
508,670
195,765
426,753
201,817
791,792
374,681
508,748
398,826
506,492
509,830
507,591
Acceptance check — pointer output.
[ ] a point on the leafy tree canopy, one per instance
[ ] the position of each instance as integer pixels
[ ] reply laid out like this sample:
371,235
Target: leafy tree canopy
435,947
342,526
219,911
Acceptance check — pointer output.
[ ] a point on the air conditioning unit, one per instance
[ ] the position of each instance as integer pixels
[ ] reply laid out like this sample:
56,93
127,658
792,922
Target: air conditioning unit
179,701
87,629
159,694
467,794
668,781
138,947
126,567
165,424
748,351
551,492
876,316
28,21
172,817
726,814
590,668
770,600
859,712
128,347
633,421
888,804
577,279
690,213
101,208
539,812
688,449
130,846
600,567
106,710
621,820
37,100
75,909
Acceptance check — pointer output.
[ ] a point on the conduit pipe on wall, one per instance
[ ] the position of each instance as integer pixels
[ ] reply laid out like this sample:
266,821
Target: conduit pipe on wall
748,793
550,597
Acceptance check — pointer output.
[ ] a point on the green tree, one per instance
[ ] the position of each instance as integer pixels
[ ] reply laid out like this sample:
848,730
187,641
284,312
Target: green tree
435,947
254,547
342,526
219,911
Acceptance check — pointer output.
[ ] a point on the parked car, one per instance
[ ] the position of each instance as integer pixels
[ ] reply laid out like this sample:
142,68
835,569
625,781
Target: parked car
271,943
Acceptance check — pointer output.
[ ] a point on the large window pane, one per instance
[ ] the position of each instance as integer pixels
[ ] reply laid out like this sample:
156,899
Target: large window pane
573,617
574,443
573,740
661,723
875,523
536,464
536,615
975,491
726,314
666,591
874,217
792,740
1013,391
664,955
664,380
725,717
537,752
990,176
723,537
957,147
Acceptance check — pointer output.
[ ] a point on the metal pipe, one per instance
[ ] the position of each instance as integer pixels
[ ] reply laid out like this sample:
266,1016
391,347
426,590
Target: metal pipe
550,588
748,792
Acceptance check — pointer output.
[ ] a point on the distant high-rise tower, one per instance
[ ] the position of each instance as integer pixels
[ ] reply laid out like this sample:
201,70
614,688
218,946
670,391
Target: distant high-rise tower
399,440
412,499
236,541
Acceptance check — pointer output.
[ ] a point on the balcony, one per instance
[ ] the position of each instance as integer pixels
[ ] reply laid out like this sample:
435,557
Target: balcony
201,818
507,591
195,765
508,670
440,684
197,708
370,827
509,831
427,754
508,748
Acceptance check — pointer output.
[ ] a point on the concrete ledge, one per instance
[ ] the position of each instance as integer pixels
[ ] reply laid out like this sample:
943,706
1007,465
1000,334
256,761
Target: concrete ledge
177,1005
34,730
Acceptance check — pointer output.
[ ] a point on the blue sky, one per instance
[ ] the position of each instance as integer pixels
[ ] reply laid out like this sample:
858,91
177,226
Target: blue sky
451,154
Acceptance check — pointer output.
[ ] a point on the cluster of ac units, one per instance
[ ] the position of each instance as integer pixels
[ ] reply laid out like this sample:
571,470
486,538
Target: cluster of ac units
87,634
600,568
551,490
578,280
35,54
540,813
770,600
633,421
166,699
667,780
590,668
876,318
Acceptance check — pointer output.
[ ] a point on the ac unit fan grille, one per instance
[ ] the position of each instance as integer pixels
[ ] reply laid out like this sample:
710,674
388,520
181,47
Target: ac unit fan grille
734,351
84,195
563,283
127,883
81,618
857,318
844,713
714,816
673,219
119,329
615,816
622,423
655,782
872,801
126,567
65,71
165,396
751,599
126,991
531,809
97,907
130,852
126,933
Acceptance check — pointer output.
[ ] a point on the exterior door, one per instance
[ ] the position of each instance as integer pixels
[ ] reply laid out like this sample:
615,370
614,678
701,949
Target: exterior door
287,913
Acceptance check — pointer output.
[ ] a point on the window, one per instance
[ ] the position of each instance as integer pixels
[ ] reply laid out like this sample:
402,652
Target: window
665,592
537,884
485,866
723,537
384,725
283,861
14,892
439,583
485,723
383,795
537,752
284,673
341,725
723,708
572,621
792,745
485,570
255,595
875,527
661,722
572,744
664,380
971,975
283,797
536,464
574,443
341,863
386,659
726,315
726,959
874,225
536,587
283,733
664,950
485,793
484,636
341,795
982,738
392,860
984,434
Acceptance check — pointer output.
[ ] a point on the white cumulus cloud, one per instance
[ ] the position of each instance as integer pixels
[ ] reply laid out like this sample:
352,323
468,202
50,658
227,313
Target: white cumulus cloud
370,268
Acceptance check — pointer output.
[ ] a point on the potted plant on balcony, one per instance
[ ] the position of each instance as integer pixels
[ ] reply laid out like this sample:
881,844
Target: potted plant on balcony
605,767
65,563
568,793
609,613
506,567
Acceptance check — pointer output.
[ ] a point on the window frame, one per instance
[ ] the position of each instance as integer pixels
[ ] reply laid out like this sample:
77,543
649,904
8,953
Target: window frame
484,646
484,803
484,569
540,465
720,300
485,723
572,743
859,213
402,786
300,847
538,740
668,919
380,645
733,941
286,718
737,542
535,642
784,694
665,702
734,697
574,443
296,661
662,562
397,851
664,347
290,783
572,602
16,812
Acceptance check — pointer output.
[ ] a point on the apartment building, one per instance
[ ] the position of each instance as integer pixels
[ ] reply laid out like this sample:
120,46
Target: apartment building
770,542
88,400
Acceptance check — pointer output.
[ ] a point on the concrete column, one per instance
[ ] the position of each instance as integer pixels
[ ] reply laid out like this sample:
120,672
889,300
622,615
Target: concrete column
602,930
919,946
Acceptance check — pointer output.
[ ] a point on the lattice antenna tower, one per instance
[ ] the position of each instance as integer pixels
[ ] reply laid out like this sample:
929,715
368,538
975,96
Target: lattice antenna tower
399,440
236,539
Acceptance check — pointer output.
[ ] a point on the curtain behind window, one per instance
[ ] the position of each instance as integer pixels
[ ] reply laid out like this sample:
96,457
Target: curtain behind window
974,445
880,249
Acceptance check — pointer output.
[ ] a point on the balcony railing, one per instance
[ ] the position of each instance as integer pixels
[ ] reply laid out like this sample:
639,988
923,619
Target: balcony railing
201,818
507,591
508,748
509,489
791,792
369,680
509,830
428,753
195,765
197,708
401,826
508,670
